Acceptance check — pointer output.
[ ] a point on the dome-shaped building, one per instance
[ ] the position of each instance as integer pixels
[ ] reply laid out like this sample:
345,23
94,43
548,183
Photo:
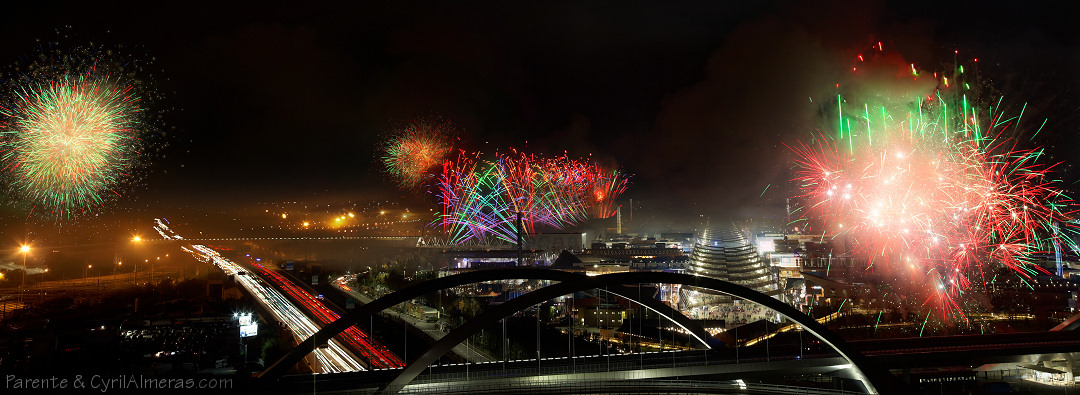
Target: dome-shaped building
724,253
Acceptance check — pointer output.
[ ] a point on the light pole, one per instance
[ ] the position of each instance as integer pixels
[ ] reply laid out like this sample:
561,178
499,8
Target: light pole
305,241
135,272
22,285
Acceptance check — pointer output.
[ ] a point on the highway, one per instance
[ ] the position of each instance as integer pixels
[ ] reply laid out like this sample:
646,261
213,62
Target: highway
332,359
376,354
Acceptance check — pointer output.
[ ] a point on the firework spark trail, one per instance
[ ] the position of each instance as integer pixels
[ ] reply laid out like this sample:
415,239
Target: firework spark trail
518,179
480,199
68,141
606,186
566,183
937,193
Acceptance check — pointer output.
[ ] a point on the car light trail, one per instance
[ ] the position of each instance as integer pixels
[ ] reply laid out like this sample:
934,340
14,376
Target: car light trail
334,358
376,354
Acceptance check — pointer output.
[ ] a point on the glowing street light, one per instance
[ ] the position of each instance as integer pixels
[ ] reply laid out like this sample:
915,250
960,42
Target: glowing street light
22,285
135,270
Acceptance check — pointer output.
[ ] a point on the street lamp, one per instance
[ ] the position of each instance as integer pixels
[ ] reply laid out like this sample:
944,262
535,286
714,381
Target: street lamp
304,232
135,268
22,285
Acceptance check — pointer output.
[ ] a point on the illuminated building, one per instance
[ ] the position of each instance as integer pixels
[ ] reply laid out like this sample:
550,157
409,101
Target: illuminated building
724,253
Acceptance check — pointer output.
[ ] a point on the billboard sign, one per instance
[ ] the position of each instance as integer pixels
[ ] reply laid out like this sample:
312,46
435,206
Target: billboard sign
249,330
248,326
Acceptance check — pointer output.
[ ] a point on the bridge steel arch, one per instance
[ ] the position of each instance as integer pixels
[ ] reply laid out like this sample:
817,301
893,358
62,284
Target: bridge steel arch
361,313
862,369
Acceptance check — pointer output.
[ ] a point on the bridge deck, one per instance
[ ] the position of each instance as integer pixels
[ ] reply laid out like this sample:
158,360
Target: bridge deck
578,373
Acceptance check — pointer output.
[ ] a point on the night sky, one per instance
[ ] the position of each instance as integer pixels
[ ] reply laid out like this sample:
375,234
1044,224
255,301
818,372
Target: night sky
695,99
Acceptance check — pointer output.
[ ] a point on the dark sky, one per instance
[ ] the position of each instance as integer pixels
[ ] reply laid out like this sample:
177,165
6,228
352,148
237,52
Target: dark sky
693,98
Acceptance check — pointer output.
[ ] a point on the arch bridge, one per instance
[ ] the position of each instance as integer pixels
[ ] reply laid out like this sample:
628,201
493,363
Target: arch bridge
568,283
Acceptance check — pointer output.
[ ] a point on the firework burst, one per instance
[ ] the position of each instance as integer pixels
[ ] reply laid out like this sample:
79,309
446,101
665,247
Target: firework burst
415,149
74,131
937,193
68,141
